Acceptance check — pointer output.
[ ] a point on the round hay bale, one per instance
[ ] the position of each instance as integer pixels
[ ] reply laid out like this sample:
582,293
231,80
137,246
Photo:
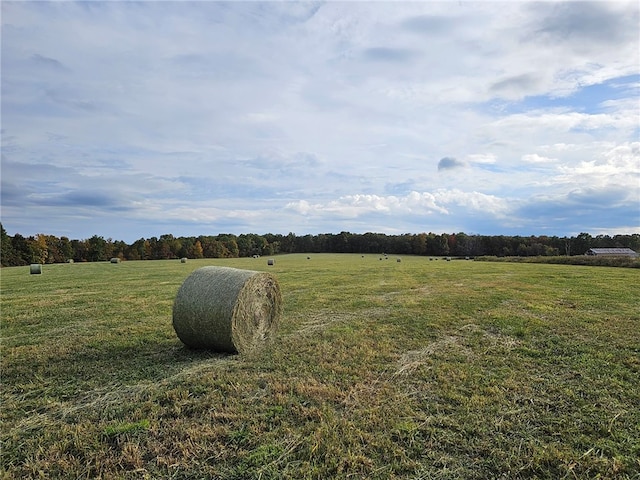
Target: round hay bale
271,261
35,269
115,260
183,260
70,260
399,260
227,309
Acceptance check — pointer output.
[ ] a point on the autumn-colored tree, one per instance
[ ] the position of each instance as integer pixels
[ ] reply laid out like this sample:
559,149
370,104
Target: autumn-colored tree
39,248
196,250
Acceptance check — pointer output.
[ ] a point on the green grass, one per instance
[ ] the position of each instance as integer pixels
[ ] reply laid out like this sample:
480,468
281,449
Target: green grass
380,370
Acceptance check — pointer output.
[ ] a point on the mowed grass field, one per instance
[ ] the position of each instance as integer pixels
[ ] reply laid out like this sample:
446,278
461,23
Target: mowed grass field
380,370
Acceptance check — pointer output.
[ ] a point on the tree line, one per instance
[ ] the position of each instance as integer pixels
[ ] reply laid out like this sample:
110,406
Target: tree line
18,250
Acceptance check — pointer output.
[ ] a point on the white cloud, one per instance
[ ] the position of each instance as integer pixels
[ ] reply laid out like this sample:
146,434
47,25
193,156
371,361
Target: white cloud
416,203
618,166
482,158
534,158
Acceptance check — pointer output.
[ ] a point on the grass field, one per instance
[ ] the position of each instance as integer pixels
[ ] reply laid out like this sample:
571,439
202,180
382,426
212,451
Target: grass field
381,369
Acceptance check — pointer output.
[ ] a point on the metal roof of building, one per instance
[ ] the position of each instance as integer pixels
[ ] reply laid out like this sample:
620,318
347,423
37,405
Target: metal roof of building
613,251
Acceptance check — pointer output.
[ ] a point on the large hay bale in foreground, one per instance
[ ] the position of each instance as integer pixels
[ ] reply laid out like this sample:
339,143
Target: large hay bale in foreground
35,269
227,309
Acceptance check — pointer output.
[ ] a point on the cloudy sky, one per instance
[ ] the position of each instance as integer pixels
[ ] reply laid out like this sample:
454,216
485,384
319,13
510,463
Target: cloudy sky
130,120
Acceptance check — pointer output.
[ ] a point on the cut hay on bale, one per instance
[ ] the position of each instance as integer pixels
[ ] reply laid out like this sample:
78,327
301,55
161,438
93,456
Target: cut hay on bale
115,260
183,260
271,261
227,309
35,269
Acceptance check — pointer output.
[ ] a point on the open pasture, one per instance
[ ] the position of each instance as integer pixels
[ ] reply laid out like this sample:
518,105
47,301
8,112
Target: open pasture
380,370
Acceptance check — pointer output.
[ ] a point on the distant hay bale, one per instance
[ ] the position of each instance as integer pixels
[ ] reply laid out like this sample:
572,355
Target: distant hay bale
308,258
35,269
183,260
227,309
271,261
70,260
115,260
399,260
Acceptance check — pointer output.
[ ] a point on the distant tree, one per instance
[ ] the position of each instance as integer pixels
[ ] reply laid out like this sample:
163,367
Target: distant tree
271,248
136,251
148,248
96,249
251,244
230,245
442,244
341,243
551,251
627,241
79,248
22,250
65,249
196,250
8,256
582,243
246,246
39,250
168,246
288,243
603,241
305,244
419,244
52,244
118,249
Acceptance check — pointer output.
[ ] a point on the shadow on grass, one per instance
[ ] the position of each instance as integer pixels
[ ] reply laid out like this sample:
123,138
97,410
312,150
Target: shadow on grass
95,365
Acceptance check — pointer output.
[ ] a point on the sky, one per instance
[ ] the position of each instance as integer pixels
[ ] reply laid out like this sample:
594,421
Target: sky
129,120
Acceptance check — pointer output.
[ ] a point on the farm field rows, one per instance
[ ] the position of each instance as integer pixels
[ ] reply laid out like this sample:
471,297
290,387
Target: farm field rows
381,369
